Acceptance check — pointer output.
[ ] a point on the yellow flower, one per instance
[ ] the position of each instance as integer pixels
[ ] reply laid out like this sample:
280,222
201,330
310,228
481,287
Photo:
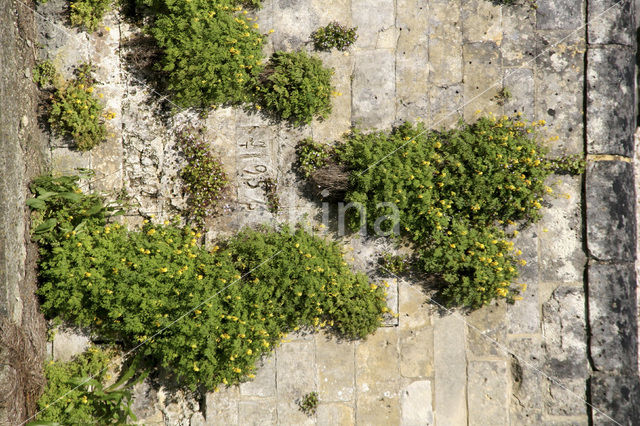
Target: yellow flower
195,367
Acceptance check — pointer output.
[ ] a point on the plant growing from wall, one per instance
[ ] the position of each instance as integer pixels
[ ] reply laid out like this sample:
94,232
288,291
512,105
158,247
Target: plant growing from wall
236,300
296,87
333,36
309,403
77,113
203,175
311,155
454,192
88,13
44,73
76,391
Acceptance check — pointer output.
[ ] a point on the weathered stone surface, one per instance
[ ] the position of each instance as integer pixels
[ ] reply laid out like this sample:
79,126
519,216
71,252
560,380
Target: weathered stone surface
518,42
336,369
289,413
611,118
564,331
566,399
526,381
610,211
416,352
482,78
412,90
611,22
372,17
612,313
335,414
486,329
67,343
297,359
559,14
487,393
221,407
373,89
413,308
616,399
416,405
378,378
446,106
293,25
481,22
560,89
562,258
66,161
519,82
256,412
450,366
264,384
445,43
524,315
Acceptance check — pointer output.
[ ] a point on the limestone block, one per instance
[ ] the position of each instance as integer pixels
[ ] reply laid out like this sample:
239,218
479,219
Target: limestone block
518,41
264,384
612,308
521,86
526,381
565,335
371,17
450,370
611,118
611,22
416,404
335,414
524,315
487,393
336,370
256,412
616,399
221,407
559,14
373,89
482,79
610,211
562,258
560,90
416,352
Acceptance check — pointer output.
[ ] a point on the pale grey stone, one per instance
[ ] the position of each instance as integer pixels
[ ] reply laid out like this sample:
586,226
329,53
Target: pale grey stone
527,357
264,384
611,116
562,258
450,370
565,335
335,414
559,14
482,79
610,211
567,398
446,106
486,330
336,369
520,84
256,412
373,89
524,315
416,405
296,366
612,22
416,352
487,393
612,309
68,342
518,42
221,406
371,17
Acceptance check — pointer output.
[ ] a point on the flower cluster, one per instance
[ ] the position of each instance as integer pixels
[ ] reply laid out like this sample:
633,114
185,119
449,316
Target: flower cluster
238,306
76,112
335,36
455,192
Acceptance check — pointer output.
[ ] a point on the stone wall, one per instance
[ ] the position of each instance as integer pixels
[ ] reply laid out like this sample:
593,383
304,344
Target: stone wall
22,153
611,234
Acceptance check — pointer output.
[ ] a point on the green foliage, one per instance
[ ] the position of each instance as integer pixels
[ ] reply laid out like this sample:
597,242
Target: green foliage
44,73
332,36
206,315
309,403
76,391
211,53
76,112
568,164
60,208
88,13
203,175
454,191
296,87
311,156
395,264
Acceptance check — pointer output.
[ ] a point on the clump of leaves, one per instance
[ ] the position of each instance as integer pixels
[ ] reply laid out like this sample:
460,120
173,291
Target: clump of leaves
44,73
454,191
503,96
203,175
296,87
569,164
76,392
309,403
88,13
335,36
396,264
271,191
211,52
77,113
236,300
311,155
